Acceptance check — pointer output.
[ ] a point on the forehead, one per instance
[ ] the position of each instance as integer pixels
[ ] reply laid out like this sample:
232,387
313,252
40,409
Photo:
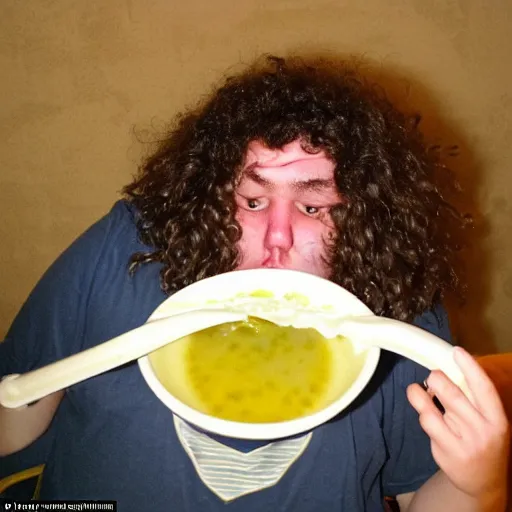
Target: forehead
289,164
297,175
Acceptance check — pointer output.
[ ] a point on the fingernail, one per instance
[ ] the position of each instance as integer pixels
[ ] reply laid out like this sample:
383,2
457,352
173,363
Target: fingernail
425,385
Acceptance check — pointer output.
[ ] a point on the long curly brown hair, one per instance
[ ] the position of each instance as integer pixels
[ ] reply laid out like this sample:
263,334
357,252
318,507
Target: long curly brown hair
392,250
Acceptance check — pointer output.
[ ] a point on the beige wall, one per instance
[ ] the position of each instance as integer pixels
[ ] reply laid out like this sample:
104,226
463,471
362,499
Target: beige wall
79,76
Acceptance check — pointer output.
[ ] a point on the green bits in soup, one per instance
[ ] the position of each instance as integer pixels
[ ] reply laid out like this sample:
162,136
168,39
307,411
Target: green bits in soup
256,371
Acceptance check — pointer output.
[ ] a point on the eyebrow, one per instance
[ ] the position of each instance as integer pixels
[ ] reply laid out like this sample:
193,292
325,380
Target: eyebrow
317,184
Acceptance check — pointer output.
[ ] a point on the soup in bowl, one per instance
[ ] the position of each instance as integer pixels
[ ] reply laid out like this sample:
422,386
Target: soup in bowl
254,379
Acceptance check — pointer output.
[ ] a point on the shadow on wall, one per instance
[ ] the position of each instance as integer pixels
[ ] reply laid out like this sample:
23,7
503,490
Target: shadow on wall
468,312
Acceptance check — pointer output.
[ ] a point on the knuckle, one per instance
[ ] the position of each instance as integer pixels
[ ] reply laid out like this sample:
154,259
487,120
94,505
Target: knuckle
502,427
446,389
481,444
428,421
499,428
436,380
468,456
489,439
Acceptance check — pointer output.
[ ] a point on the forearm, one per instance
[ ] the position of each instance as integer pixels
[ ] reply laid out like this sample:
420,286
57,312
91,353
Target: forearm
441,495
21,427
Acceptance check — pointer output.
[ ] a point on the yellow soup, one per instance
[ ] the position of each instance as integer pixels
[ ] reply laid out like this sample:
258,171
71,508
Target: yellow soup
255,371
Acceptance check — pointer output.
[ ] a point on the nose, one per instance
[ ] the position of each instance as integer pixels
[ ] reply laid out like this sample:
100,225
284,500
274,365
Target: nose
279,235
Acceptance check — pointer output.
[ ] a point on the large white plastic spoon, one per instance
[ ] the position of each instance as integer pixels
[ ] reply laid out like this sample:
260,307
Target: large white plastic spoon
409,341
18,390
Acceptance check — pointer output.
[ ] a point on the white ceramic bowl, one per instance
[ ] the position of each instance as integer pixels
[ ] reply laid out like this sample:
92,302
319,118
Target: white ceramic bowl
320,292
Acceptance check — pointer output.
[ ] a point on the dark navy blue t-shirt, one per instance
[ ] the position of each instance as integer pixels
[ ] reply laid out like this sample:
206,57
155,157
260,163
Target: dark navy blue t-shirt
113,439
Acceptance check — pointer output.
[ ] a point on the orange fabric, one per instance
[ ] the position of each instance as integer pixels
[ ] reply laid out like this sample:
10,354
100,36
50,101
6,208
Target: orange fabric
499,369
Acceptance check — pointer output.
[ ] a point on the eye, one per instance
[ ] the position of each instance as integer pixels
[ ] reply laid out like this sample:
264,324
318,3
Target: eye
311,210
251,204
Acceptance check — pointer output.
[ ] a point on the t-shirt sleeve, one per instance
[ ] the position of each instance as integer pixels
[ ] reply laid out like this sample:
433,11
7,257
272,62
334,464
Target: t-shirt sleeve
49,325
410,463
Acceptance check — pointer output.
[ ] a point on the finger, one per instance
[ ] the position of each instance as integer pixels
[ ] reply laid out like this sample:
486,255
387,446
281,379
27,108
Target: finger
460,412
431,419
484,392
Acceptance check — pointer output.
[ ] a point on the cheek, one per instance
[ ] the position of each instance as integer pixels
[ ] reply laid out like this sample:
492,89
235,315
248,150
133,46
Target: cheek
309,232
253,233
251,223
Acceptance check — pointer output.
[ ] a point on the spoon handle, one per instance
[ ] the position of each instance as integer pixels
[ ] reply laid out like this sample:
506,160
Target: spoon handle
407,340
20,390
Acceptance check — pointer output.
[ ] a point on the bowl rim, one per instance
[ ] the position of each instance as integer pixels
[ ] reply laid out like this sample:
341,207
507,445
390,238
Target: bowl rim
264,278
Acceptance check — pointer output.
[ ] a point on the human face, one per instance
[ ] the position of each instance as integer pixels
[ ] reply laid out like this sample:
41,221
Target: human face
284,199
